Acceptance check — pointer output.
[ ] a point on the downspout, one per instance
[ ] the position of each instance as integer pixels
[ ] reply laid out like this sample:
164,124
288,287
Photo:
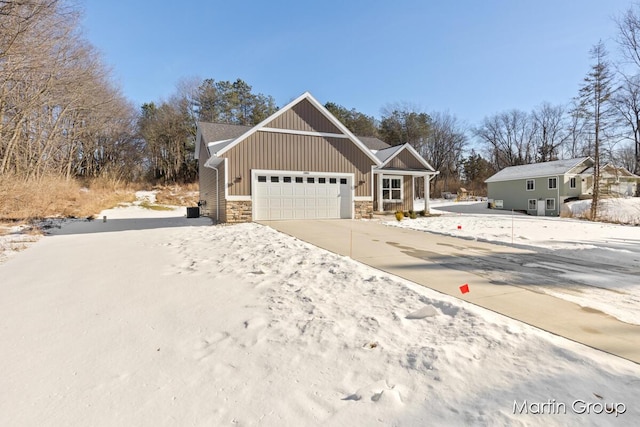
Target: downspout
217,194
558,192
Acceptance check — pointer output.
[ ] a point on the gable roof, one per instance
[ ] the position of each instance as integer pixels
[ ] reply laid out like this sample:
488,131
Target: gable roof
373,143
387,154
535,170
305,96
216,132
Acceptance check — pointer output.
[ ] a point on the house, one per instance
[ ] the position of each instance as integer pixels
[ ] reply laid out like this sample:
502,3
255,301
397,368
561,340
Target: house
303,163
618,181
541,188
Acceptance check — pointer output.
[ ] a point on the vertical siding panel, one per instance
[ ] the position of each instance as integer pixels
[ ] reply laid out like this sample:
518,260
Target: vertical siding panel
270,150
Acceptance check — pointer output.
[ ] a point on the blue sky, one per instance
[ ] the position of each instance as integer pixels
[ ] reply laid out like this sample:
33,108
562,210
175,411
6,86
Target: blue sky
469,57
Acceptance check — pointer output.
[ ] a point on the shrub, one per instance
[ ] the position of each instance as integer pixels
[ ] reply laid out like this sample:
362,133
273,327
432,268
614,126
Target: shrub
406,214
423,212
413,215
399,216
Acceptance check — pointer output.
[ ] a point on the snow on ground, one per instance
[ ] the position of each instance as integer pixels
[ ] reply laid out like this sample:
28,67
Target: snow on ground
162,320
610,291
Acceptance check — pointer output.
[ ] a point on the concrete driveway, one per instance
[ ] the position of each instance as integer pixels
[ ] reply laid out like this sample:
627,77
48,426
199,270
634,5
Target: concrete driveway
441,263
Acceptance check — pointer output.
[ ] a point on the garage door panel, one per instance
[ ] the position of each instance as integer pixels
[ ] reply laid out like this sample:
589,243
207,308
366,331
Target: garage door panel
309,197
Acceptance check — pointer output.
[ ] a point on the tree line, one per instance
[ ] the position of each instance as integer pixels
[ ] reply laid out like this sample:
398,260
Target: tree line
61,114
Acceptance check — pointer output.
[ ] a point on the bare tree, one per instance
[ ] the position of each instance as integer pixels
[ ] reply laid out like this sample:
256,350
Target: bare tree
627,103
578,139
550,131
595,105
629,42
59,112
446,142
509,137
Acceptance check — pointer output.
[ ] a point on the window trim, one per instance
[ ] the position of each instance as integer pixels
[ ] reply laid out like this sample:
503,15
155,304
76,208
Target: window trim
535,205
533,184
549,187
546,205
573,182
391,189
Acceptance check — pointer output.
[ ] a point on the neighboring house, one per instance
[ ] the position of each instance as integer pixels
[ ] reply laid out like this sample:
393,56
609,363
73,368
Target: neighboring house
302,163
541,188
618,181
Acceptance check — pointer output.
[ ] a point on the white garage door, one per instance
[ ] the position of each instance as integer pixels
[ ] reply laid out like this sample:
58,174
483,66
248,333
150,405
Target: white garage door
309,196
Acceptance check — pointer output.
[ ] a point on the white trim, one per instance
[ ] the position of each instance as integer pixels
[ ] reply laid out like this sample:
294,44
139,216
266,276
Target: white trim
226,179
404,172
575,182
321,109
196,154
546,204
380,201
391,188
413,152
535,208
304,173
549,183
256,172
362,199
304,132
526,184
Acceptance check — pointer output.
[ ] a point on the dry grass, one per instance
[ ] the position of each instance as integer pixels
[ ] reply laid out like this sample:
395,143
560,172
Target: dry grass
22,200
178,195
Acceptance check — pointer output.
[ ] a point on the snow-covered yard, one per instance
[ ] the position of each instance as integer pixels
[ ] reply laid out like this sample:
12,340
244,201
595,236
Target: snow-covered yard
610,291
161,320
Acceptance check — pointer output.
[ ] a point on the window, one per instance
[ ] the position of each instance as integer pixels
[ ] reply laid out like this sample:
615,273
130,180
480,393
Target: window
531,185
533,204
299,179
343,180
333,181
553,183
262,179
275,179
322,180
551,204
572,182
392,189
286,179
311,180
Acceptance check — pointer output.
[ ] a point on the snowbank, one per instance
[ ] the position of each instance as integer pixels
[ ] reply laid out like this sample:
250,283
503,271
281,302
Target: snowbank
161,321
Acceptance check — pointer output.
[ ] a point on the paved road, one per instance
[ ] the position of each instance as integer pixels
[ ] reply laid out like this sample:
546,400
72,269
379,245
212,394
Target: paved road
503,279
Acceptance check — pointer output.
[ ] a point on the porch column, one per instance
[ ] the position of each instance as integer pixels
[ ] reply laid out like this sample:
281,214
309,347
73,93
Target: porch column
380,203
427,192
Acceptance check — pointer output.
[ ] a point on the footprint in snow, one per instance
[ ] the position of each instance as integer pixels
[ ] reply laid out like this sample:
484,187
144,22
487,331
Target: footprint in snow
378,392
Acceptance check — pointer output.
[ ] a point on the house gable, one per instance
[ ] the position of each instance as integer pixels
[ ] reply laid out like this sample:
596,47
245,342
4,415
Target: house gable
295,119
305,117
403,157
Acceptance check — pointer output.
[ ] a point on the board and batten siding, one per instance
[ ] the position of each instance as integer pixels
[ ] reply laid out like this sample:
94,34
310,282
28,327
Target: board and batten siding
407,195
304,117
207,185
405,160
290,152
